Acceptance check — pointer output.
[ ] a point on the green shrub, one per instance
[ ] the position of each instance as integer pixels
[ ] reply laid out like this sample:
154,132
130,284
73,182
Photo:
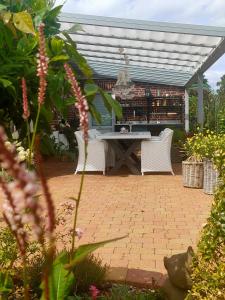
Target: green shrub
8,248
10,262
209,264
179,136
90,271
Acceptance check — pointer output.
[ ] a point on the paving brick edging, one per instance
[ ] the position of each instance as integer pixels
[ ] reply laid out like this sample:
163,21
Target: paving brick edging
135,277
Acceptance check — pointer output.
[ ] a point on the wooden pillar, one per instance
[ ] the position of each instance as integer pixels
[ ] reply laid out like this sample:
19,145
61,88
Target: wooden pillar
200,112
186,111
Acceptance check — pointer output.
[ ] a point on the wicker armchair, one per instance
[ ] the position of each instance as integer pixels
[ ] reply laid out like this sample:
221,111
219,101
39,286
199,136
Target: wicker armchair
96,159
110,153
60,139
155,153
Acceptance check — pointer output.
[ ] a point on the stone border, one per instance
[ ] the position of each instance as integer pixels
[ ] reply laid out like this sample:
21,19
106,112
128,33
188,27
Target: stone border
136,277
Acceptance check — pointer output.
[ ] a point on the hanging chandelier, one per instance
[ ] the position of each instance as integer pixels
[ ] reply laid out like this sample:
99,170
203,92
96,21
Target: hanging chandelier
124,87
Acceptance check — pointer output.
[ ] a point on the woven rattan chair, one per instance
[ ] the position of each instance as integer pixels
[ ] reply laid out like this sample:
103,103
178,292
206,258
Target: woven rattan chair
96,158
60,139
155,153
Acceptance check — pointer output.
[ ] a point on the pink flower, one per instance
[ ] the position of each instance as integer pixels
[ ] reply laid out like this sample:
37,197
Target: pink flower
13,218
79,233
26,112
81,104
42,67
20,206
94,292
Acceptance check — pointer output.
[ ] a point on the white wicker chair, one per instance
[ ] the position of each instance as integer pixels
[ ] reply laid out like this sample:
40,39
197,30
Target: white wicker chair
110,153
155,153
96,159
60,139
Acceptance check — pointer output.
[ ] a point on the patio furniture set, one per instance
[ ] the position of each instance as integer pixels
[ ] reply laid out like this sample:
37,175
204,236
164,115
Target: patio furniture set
109,151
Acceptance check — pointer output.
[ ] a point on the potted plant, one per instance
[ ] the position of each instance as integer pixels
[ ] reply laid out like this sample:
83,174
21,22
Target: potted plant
212,144
192,167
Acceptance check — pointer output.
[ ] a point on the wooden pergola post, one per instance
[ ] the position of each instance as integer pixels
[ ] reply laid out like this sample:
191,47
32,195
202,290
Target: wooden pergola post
200,111
186,111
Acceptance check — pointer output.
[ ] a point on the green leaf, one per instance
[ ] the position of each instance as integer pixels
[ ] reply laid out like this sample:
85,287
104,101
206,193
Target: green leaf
6,17
23,21
2,6
57,45
52,14
95,114
69,101
75,28
5,82
59,58
111,103
6,283
83,250
90,89
38,5
60,279
76,57
27,43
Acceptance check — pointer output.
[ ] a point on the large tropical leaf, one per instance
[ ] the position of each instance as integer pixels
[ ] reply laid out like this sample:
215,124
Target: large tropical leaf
53,13
95,114
56,45
60,279
83,250
27,44
111,103
75,28
76,57
23,21
61,57
91,89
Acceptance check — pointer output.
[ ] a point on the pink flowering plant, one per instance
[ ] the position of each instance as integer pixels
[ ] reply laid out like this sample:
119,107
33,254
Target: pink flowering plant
22,210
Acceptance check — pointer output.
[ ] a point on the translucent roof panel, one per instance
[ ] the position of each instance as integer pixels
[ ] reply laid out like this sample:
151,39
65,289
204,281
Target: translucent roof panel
158,52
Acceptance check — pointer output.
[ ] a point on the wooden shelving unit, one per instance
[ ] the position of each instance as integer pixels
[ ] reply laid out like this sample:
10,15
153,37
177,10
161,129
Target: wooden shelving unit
151,111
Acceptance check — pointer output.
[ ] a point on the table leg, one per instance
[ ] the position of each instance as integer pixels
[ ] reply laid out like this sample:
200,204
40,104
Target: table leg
124,156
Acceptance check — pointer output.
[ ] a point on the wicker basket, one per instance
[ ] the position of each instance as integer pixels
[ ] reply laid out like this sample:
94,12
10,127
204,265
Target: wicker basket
192,174
211,176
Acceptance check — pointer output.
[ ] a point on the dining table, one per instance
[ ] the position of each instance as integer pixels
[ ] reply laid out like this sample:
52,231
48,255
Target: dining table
125,146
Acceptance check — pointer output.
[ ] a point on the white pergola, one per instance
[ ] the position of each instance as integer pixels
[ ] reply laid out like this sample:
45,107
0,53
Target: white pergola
159,52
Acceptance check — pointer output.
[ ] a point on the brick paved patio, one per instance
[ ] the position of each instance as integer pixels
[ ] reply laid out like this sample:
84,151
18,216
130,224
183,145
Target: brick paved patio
158,214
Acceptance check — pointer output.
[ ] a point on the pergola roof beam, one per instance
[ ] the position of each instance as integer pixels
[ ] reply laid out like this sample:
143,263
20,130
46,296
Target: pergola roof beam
134,70
150,70
125,38
143,25
146,79
82,42
220,50
138,60
123,43
82,49
154,65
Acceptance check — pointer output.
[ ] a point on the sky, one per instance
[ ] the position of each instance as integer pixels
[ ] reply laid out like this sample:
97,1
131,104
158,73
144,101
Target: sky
203,12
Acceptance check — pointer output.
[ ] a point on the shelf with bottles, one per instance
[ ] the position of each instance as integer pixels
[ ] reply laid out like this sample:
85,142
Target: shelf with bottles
167,102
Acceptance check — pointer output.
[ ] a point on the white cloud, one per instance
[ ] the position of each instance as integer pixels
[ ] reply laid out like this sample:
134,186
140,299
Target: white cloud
205,12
